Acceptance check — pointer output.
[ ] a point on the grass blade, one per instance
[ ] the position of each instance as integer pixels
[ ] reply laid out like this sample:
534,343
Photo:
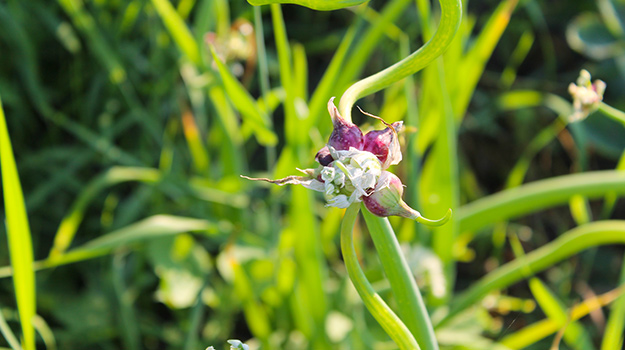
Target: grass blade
615,328
8,333
68,227
541,329
152,227
568,244
18,235
178,30
574,335
245,104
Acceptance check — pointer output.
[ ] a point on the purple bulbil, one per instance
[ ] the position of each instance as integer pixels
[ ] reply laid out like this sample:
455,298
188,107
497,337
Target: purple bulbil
386,198
382,142
324,157
345,134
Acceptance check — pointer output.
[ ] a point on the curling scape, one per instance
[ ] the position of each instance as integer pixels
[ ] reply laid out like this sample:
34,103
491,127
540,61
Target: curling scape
352,169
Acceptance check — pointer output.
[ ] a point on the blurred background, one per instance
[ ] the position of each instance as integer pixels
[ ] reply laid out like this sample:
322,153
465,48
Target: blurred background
130,138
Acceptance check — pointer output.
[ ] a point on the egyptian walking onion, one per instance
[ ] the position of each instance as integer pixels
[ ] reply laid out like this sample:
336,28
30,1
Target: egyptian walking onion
352,169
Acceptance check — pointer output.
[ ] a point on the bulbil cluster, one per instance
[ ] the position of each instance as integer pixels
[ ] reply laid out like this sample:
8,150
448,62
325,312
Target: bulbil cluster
353,168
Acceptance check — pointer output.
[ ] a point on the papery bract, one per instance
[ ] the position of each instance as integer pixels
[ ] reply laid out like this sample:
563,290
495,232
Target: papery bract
385,144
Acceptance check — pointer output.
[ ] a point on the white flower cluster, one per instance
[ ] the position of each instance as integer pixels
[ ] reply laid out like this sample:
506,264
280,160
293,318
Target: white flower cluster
351,175
586,95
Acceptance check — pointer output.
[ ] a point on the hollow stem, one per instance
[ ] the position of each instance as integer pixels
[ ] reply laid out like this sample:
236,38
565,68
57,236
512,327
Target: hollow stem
538,195
612,112
431,222
410,303
568,244
389,321
451,15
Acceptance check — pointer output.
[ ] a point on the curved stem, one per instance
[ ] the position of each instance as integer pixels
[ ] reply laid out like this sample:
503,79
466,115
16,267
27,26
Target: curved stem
389,321
409,301
434,223
538,195
612,112
568,244
451,15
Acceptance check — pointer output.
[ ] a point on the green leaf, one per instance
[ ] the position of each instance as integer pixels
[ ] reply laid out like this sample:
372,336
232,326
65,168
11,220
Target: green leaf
178,30
144,230
567,244
18,235
152,227
69,225
575,335
246,105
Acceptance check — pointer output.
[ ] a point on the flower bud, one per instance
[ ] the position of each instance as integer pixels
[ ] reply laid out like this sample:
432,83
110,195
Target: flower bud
385,200
384,144
586,96
345,134
324,157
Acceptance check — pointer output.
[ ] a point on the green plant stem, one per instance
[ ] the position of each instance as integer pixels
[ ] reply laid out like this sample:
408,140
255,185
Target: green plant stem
538,195
8,333
615,327
393,326
612,112
410,303
451,15
568,244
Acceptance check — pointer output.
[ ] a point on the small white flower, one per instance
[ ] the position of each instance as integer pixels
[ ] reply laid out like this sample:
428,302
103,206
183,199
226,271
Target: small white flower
327,173
237,345
350,176
339,201
586,96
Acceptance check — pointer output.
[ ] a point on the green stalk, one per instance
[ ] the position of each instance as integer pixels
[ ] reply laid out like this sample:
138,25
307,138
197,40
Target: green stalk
8,333
568,244
389,321
409,301
615,327
612,112
538,195
451,15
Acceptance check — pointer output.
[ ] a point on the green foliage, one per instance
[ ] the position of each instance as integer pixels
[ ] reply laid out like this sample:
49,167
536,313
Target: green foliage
128,125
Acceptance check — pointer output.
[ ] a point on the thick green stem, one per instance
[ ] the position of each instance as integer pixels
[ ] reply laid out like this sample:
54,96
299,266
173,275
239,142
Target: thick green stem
405,289
615,327
568,244
451,15
393,326
612,112
538,195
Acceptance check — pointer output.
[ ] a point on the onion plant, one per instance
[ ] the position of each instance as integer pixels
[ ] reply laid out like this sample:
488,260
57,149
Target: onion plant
176,107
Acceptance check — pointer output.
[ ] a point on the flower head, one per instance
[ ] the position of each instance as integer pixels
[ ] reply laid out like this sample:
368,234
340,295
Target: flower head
352,169
586,96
